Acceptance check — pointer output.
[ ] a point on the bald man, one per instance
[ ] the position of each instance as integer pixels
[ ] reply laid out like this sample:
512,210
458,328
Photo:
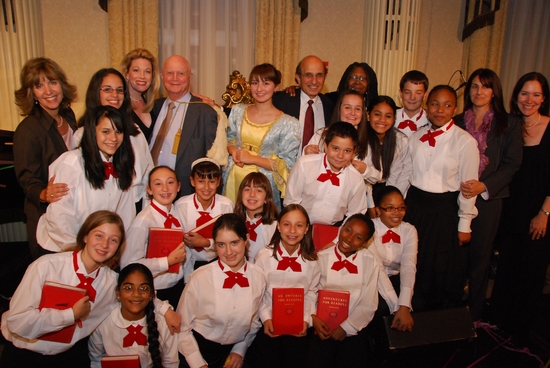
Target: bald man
191,130
310,75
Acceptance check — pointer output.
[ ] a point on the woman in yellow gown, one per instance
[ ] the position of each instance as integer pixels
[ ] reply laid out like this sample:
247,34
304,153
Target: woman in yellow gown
261,137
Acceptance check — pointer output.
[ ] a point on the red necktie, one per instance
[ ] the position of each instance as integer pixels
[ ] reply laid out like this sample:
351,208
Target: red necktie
204,216
85,282
109,170
170,220
339,264
252,229
309,124
134,335
329,175
233,278
287,262
408,123
391,236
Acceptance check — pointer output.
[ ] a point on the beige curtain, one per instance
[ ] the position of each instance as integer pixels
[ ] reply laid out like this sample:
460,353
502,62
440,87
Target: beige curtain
278,35
132,24
483,49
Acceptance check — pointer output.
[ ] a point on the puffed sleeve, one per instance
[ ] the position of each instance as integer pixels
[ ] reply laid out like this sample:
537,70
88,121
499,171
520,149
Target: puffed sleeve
286,151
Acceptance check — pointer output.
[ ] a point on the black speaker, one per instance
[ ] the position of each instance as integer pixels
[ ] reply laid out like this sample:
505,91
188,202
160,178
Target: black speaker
433,327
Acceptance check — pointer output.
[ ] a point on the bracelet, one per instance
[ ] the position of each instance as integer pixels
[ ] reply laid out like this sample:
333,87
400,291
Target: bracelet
545,212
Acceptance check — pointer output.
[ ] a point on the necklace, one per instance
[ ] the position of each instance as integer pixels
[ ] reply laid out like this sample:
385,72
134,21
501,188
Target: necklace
61,123
527,127
136,99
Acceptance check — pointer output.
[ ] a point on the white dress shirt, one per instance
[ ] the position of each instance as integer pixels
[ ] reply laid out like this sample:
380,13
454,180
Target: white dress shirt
137,240
398,258
441,169
57,228
325,203
107,340
166,157
362,286
318,115
225,316
307,278
187,212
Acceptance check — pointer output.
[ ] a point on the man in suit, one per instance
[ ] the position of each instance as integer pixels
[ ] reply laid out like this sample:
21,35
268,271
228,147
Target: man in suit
310,75
185,127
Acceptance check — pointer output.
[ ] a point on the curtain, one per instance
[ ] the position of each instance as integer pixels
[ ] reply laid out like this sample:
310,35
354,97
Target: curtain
132,24
278,35
527,42
215,36
483,49
21,40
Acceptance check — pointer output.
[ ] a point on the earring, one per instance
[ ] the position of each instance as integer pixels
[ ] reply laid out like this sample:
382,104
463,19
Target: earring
36,102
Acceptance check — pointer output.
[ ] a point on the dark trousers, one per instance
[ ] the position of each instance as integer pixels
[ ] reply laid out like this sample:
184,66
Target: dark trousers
351,352
215,354
77,357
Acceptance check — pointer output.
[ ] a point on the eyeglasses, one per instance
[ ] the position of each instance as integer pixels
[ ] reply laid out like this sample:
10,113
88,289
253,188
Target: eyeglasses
143,289
108,89
357,78
393,209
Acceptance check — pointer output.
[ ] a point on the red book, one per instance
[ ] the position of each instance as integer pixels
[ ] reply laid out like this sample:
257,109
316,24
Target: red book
323,234
162,242
288,311
120,361
333,307
205,230
60,296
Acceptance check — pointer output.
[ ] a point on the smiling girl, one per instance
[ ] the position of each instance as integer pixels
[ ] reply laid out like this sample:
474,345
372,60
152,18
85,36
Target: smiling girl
288,262
133,327
99,176
97,241
261,137
163,188
220,303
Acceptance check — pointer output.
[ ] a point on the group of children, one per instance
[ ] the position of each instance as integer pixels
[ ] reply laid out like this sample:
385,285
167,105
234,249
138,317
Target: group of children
223,289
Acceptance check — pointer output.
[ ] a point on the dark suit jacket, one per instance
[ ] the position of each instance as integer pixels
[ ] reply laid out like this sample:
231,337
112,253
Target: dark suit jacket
197,136
36,144
290,105
505,153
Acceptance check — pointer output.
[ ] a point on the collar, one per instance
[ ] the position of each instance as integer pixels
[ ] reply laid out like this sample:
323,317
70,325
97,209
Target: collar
123,323
82,268
162,207
416,117
198,205
305,98
445,128
381,228
281,251
185,98
226,268
340,256
104,159
327,167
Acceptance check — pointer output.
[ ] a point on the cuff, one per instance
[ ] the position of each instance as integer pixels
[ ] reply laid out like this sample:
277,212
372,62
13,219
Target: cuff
405,297
464,225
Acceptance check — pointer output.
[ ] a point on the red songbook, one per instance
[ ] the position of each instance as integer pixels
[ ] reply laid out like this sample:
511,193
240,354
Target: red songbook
205,230
288,311
60,296
162,242
333,307
120,361
323,234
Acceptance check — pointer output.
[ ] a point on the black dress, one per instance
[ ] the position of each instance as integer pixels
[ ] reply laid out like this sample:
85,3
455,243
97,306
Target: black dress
146,130
523,262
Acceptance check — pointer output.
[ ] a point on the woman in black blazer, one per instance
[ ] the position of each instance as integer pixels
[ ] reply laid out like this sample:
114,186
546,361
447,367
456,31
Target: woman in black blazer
45,99
499,142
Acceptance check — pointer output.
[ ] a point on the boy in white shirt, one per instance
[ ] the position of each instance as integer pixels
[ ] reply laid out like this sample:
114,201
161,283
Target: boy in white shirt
413,88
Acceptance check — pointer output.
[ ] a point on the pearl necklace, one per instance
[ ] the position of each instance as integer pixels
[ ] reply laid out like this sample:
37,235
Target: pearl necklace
527,127
61,123
136,99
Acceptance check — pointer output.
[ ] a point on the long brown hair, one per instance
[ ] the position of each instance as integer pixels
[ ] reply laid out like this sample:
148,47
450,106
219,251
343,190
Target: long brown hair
269,211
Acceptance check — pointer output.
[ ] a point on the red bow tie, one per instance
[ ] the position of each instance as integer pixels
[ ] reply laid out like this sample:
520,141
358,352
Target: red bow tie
109,170
287,262
252,229
329,175
408,123
234,278
134,335
391,236
170,220
430,136
85,281
339,264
